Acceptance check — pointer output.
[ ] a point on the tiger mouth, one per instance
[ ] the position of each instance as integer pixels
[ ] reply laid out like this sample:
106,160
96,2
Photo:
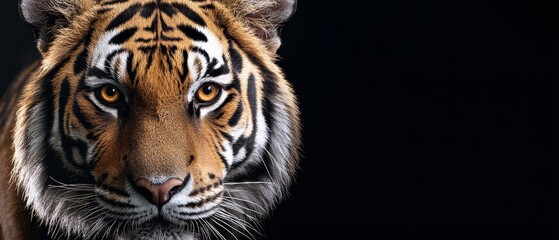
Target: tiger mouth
163,217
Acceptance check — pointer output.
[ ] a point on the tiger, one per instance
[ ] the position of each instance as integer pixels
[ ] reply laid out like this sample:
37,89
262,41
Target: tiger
149,119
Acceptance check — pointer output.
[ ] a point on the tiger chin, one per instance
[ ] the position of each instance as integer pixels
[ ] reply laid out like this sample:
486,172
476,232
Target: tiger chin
148,119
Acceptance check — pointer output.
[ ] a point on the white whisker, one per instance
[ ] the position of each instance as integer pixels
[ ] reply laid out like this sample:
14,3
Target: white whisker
248,183
244,200
233,219
239,208
214,230
215,221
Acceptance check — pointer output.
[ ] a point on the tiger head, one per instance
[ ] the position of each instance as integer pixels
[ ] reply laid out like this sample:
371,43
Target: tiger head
156,119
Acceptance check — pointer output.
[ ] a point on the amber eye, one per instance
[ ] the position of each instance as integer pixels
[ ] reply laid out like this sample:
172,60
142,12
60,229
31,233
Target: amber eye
109,94
207,92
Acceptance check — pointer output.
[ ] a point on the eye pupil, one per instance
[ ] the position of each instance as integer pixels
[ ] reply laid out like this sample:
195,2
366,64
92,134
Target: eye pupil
207,89
110,91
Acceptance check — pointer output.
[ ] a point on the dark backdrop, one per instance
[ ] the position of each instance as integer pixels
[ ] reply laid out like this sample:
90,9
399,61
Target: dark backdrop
421,120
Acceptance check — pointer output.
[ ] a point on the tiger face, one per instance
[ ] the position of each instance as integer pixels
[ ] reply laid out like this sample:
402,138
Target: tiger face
156,119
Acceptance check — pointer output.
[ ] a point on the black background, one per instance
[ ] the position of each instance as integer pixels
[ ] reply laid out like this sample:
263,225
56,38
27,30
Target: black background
422,120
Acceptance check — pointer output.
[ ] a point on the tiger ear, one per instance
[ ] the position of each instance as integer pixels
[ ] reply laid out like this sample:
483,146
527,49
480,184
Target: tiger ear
264,17
47,16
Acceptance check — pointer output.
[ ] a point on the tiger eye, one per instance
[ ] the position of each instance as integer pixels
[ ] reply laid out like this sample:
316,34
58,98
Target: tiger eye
207,92
109,94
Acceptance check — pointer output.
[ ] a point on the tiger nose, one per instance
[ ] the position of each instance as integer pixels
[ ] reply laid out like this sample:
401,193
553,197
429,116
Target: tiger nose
158,194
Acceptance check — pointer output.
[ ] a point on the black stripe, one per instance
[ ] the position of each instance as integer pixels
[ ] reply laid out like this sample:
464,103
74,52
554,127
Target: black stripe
223,160
124,16
99,73
109,59
111,56
170,39
237,115
237,62
191,108
201,202
184,73
167,9
143,40
227,100
208,6
103,10
201,51
226,136
115,203
153,27
149,50
112,189
63,97
187,12
219,115
81,60
114,2
210,66
165,28
131,70
193,33
236,59
223,69
241,142
123,36
235,84
147,10
79,115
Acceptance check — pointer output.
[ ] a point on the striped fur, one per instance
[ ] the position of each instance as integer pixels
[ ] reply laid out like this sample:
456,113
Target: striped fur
77,160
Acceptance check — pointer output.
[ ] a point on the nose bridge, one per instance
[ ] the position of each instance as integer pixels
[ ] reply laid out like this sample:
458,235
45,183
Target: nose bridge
159,145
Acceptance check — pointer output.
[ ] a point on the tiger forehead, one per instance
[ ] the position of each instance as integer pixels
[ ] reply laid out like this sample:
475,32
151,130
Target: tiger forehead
167,25
168,42
158,20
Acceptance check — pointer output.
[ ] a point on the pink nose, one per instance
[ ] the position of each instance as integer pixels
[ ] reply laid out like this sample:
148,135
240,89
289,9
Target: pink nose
158,194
